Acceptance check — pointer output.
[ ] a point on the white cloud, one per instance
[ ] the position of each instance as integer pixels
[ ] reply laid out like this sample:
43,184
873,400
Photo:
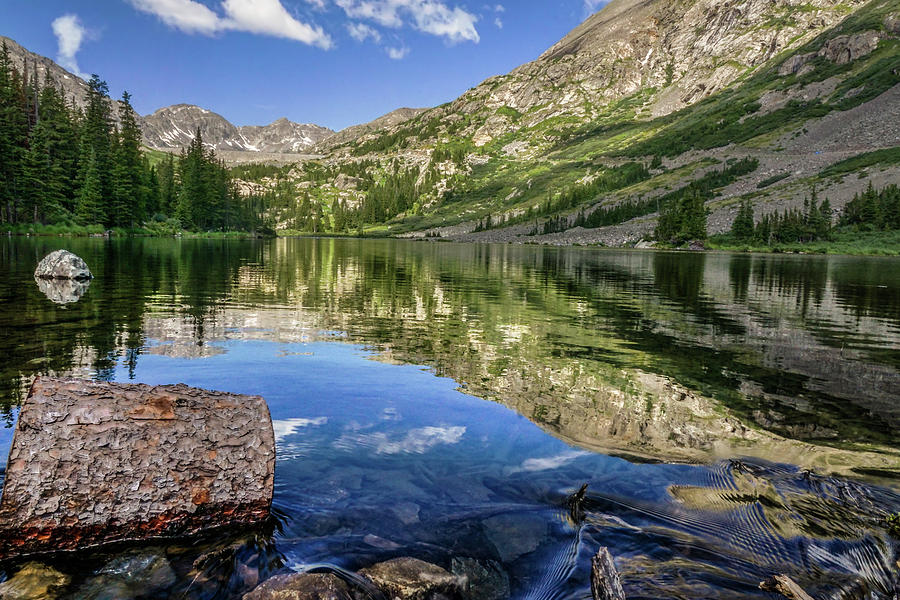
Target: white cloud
69,34
397,53
269,17
416,441
498,22
265,17
551,462
186,15
428,16
361,32
285,427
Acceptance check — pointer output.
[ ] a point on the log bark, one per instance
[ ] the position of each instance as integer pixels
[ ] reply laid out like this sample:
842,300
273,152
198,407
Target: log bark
605,584
784,585
92,463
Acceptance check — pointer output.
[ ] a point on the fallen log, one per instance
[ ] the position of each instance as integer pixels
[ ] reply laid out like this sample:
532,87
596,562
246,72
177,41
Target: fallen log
92,463
605,584
784,585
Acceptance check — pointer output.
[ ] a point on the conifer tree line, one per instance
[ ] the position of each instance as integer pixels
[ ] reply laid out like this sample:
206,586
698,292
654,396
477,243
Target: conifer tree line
872,210
63,165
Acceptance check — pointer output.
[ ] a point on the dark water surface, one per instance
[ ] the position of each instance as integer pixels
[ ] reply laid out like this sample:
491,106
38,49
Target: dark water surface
734,416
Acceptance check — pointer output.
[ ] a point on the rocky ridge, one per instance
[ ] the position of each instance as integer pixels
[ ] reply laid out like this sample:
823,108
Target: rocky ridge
635,69
173,127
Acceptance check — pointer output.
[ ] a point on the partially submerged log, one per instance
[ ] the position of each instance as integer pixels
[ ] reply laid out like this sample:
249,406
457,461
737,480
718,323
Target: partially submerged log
92,463
784,585
605,584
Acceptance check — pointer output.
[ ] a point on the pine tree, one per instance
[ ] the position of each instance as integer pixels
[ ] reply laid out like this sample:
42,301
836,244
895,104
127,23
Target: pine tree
13,137
129,194
90,209
60,139
742,228
97,144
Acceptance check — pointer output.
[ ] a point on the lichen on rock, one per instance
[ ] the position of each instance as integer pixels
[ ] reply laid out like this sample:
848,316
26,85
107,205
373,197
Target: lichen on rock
62,264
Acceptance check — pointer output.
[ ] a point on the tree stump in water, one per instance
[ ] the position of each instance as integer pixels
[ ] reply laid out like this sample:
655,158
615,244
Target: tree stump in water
605,584
92,463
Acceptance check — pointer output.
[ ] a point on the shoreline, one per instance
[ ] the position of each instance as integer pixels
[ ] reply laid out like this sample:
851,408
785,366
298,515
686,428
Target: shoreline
840,247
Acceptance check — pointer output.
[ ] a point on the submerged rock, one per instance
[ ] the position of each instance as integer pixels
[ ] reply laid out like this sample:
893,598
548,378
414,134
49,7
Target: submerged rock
34,580
481,580
301,586
62,264
63,291
413,579
133,575
93,462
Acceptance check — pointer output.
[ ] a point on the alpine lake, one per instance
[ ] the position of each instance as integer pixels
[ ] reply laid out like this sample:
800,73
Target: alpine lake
734,416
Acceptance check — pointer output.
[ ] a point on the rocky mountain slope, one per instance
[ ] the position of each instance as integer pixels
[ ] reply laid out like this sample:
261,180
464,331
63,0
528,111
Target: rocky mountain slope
354,132
73,87
683,87
173,127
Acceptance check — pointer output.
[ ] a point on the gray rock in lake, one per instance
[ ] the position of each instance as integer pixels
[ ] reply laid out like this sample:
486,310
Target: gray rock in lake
62,264
63,291
481,580
413,579
138,574
301,586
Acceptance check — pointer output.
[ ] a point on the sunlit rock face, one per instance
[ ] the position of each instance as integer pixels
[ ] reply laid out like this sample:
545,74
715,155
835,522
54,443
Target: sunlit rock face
62,264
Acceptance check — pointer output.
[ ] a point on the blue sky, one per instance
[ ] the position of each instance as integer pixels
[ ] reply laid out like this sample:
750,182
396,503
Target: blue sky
331,62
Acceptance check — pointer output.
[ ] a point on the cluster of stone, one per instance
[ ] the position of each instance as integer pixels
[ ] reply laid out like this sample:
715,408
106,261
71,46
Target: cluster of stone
397,579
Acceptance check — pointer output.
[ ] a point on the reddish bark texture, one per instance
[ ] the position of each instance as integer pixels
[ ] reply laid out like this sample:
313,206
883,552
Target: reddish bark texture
92,463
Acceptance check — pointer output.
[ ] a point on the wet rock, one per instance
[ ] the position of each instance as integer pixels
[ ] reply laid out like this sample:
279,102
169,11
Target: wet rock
62,264
93,462
63,291
412,579
301,586
133,575
34,580
515,535
481,580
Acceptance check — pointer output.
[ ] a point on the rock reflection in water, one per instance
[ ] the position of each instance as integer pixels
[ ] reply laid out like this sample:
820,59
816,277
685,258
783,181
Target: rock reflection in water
63,291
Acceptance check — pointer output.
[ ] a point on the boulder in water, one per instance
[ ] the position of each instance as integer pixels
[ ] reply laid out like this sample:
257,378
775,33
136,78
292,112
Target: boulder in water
62,264
413,579
301,586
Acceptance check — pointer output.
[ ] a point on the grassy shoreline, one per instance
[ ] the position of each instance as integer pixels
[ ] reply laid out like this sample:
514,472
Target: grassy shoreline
863,243
869,243
32,230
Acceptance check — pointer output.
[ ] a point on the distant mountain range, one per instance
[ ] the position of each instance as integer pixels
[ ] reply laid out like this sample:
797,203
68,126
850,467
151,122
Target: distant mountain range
173,127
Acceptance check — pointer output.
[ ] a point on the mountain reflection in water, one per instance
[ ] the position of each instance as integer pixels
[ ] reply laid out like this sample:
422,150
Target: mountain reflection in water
660,358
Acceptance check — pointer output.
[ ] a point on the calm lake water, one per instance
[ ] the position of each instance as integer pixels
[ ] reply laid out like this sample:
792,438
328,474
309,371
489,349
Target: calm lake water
734,416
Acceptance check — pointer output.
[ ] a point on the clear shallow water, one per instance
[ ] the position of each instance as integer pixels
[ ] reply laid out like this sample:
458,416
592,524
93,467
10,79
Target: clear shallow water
381,458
